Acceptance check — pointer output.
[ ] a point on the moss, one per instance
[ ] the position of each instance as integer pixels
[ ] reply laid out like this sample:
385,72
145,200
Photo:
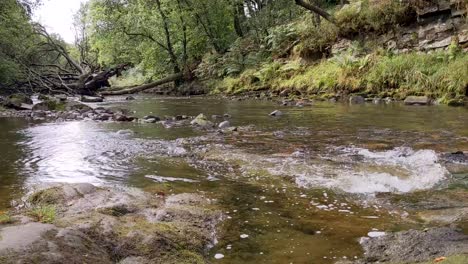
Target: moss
6,218
117,211
43,214
47,196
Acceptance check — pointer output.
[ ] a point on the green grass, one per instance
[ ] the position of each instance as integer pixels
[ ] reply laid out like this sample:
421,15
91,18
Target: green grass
439,75
43,214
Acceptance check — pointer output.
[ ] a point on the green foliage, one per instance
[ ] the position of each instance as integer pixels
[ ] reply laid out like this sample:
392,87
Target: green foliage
44,214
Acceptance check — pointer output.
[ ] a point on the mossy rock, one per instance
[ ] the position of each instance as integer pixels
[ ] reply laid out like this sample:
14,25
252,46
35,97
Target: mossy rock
17,101
52,195
455,102
49,105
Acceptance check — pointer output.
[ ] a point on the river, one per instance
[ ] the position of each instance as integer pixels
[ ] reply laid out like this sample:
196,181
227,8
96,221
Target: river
300,188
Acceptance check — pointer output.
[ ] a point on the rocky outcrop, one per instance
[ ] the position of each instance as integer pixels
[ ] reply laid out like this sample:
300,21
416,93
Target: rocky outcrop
440,23
109,225
414,246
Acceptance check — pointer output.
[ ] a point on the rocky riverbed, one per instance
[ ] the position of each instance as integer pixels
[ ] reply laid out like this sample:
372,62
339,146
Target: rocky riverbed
295,182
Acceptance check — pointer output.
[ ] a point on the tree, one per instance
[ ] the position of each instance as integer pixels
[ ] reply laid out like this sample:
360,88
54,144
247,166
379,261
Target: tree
315,9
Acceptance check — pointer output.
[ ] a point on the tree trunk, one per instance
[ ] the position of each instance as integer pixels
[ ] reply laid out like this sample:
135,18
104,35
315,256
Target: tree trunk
137,89
314,8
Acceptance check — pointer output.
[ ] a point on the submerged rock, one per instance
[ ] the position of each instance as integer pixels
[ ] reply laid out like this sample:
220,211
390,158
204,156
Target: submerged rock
130,98
108,225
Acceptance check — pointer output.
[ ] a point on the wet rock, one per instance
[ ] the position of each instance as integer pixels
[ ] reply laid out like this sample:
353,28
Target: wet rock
61,97
356,99
201,121
100,225
151,119
276,113
224,124
455,157
417,100
377,101
123,118
216,117
77,106
414,246
130,98
91,99
227,116
126,132
180,117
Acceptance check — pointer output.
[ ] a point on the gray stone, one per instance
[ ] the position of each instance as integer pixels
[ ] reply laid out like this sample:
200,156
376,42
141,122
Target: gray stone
417,100
415,246
356,99
72,106
19,237
91,99
276,113
224,124
130,98
201,121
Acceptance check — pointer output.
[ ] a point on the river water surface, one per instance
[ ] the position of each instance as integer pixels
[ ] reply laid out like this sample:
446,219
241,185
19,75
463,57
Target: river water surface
300,188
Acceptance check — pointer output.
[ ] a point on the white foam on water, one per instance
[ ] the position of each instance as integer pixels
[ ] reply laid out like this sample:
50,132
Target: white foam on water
168,179
399,170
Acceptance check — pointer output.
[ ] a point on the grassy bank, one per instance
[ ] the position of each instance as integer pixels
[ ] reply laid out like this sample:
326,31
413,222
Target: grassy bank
439,75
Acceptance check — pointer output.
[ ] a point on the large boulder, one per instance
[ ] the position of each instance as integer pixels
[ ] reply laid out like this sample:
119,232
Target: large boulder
417,100
18,102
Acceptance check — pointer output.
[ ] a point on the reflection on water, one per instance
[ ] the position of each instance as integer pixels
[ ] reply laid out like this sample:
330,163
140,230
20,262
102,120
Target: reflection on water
297,185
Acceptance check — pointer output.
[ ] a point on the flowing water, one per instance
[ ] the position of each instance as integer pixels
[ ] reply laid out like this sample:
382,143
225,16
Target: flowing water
300,188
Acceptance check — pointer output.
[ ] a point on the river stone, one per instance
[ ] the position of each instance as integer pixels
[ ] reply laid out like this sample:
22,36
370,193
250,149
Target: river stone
19,237
201,121
276,113
91,99
130,98
414,246
356,99
224,124
77,106
417,100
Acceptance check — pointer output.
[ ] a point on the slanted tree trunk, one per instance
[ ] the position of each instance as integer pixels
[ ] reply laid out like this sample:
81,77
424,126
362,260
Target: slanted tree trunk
131,90
316,9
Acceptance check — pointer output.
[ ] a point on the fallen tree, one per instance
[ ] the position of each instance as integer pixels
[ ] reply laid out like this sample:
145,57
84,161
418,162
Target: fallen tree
137,89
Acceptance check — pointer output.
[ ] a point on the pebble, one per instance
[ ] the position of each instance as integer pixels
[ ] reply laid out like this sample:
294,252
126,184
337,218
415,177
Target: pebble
219,256
244,236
